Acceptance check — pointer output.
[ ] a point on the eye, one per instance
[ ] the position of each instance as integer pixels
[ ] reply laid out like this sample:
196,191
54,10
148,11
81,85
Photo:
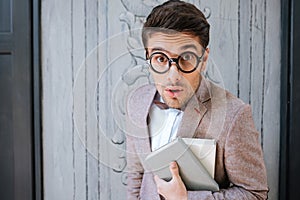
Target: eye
187,56
161,59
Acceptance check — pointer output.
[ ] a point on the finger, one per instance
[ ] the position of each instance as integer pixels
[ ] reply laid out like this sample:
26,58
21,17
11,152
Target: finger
174,169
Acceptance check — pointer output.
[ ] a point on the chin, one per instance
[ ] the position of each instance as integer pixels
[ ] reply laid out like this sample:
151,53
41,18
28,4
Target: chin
173,103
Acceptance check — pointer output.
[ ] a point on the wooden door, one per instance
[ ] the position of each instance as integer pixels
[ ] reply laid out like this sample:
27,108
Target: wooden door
16,103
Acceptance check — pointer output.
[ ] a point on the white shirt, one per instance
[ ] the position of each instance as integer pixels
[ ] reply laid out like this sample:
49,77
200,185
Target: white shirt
163,125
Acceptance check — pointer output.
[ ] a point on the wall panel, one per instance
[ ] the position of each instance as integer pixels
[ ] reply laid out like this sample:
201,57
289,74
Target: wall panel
93,57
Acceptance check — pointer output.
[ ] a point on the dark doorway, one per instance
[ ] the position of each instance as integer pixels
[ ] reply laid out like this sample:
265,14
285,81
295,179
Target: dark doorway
290,98
19,103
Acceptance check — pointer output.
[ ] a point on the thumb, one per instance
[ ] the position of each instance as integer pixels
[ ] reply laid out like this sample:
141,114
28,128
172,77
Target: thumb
174,169
158,180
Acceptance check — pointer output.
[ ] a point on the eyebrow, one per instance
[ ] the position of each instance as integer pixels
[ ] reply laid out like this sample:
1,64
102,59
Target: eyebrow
188,46
158,49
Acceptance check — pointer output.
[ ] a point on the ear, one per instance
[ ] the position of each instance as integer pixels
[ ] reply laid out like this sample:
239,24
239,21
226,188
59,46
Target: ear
204,60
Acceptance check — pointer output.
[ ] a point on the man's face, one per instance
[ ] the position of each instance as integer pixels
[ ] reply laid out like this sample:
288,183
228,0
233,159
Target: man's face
175,86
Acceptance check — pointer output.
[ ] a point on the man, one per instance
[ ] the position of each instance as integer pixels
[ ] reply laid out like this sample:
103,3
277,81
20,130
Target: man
175,37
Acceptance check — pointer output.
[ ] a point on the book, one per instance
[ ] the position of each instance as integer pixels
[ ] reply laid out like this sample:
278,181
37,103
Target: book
193,173
205,151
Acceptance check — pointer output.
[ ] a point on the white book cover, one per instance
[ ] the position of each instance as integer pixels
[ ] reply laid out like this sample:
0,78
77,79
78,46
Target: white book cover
205,151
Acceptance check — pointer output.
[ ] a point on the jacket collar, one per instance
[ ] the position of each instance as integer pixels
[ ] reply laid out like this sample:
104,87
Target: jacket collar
139,105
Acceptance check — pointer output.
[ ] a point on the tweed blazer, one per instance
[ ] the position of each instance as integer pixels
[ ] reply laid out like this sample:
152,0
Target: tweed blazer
211,113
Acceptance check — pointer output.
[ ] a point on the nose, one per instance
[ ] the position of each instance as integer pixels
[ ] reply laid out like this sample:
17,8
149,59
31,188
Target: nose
173,74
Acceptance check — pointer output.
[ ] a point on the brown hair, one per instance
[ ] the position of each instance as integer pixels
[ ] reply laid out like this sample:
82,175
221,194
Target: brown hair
176,15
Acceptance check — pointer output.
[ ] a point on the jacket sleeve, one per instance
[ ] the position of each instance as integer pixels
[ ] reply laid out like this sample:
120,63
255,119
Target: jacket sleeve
135,170
244,163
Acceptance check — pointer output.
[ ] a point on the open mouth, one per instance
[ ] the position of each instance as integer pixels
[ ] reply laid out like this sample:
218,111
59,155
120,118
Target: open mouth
173,92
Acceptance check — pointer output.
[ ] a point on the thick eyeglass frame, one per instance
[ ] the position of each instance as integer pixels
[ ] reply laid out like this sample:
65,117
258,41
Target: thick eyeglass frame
171,60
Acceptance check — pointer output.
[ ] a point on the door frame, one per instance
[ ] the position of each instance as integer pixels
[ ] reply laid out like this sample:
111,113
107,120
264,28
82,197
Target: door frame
37,112
289,174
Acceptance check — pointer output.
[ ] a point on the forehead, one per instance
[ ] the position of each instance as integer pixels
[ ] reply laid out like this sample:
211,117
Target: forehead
174,42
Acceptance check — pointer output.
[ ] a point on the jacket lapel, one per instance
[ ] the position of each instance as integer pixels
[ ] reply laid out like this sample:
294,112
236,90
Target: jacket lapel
194,111
138,108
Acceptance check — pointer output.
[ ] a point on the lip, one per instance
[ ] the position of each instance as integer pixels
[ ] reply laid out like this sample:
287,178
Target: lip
173,92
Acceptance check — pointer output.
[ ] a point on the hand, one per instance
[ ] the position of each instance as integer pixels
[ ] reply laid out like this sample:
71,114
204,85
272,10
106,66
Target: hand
175,188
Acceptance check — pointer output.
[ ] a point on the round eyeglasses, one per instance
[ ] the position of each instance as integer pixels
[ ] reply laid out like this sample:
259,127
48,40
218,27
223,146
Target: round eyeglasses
186,62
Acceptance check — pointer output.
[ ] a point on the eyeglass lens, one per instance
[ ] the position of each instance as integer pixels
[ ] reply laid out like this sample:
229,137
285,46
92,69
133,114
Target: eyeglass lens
186,62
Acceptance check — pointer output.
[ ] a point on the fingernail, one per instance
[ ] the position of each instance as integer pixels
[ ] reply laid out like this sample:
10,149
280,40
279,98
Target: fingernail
173,164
